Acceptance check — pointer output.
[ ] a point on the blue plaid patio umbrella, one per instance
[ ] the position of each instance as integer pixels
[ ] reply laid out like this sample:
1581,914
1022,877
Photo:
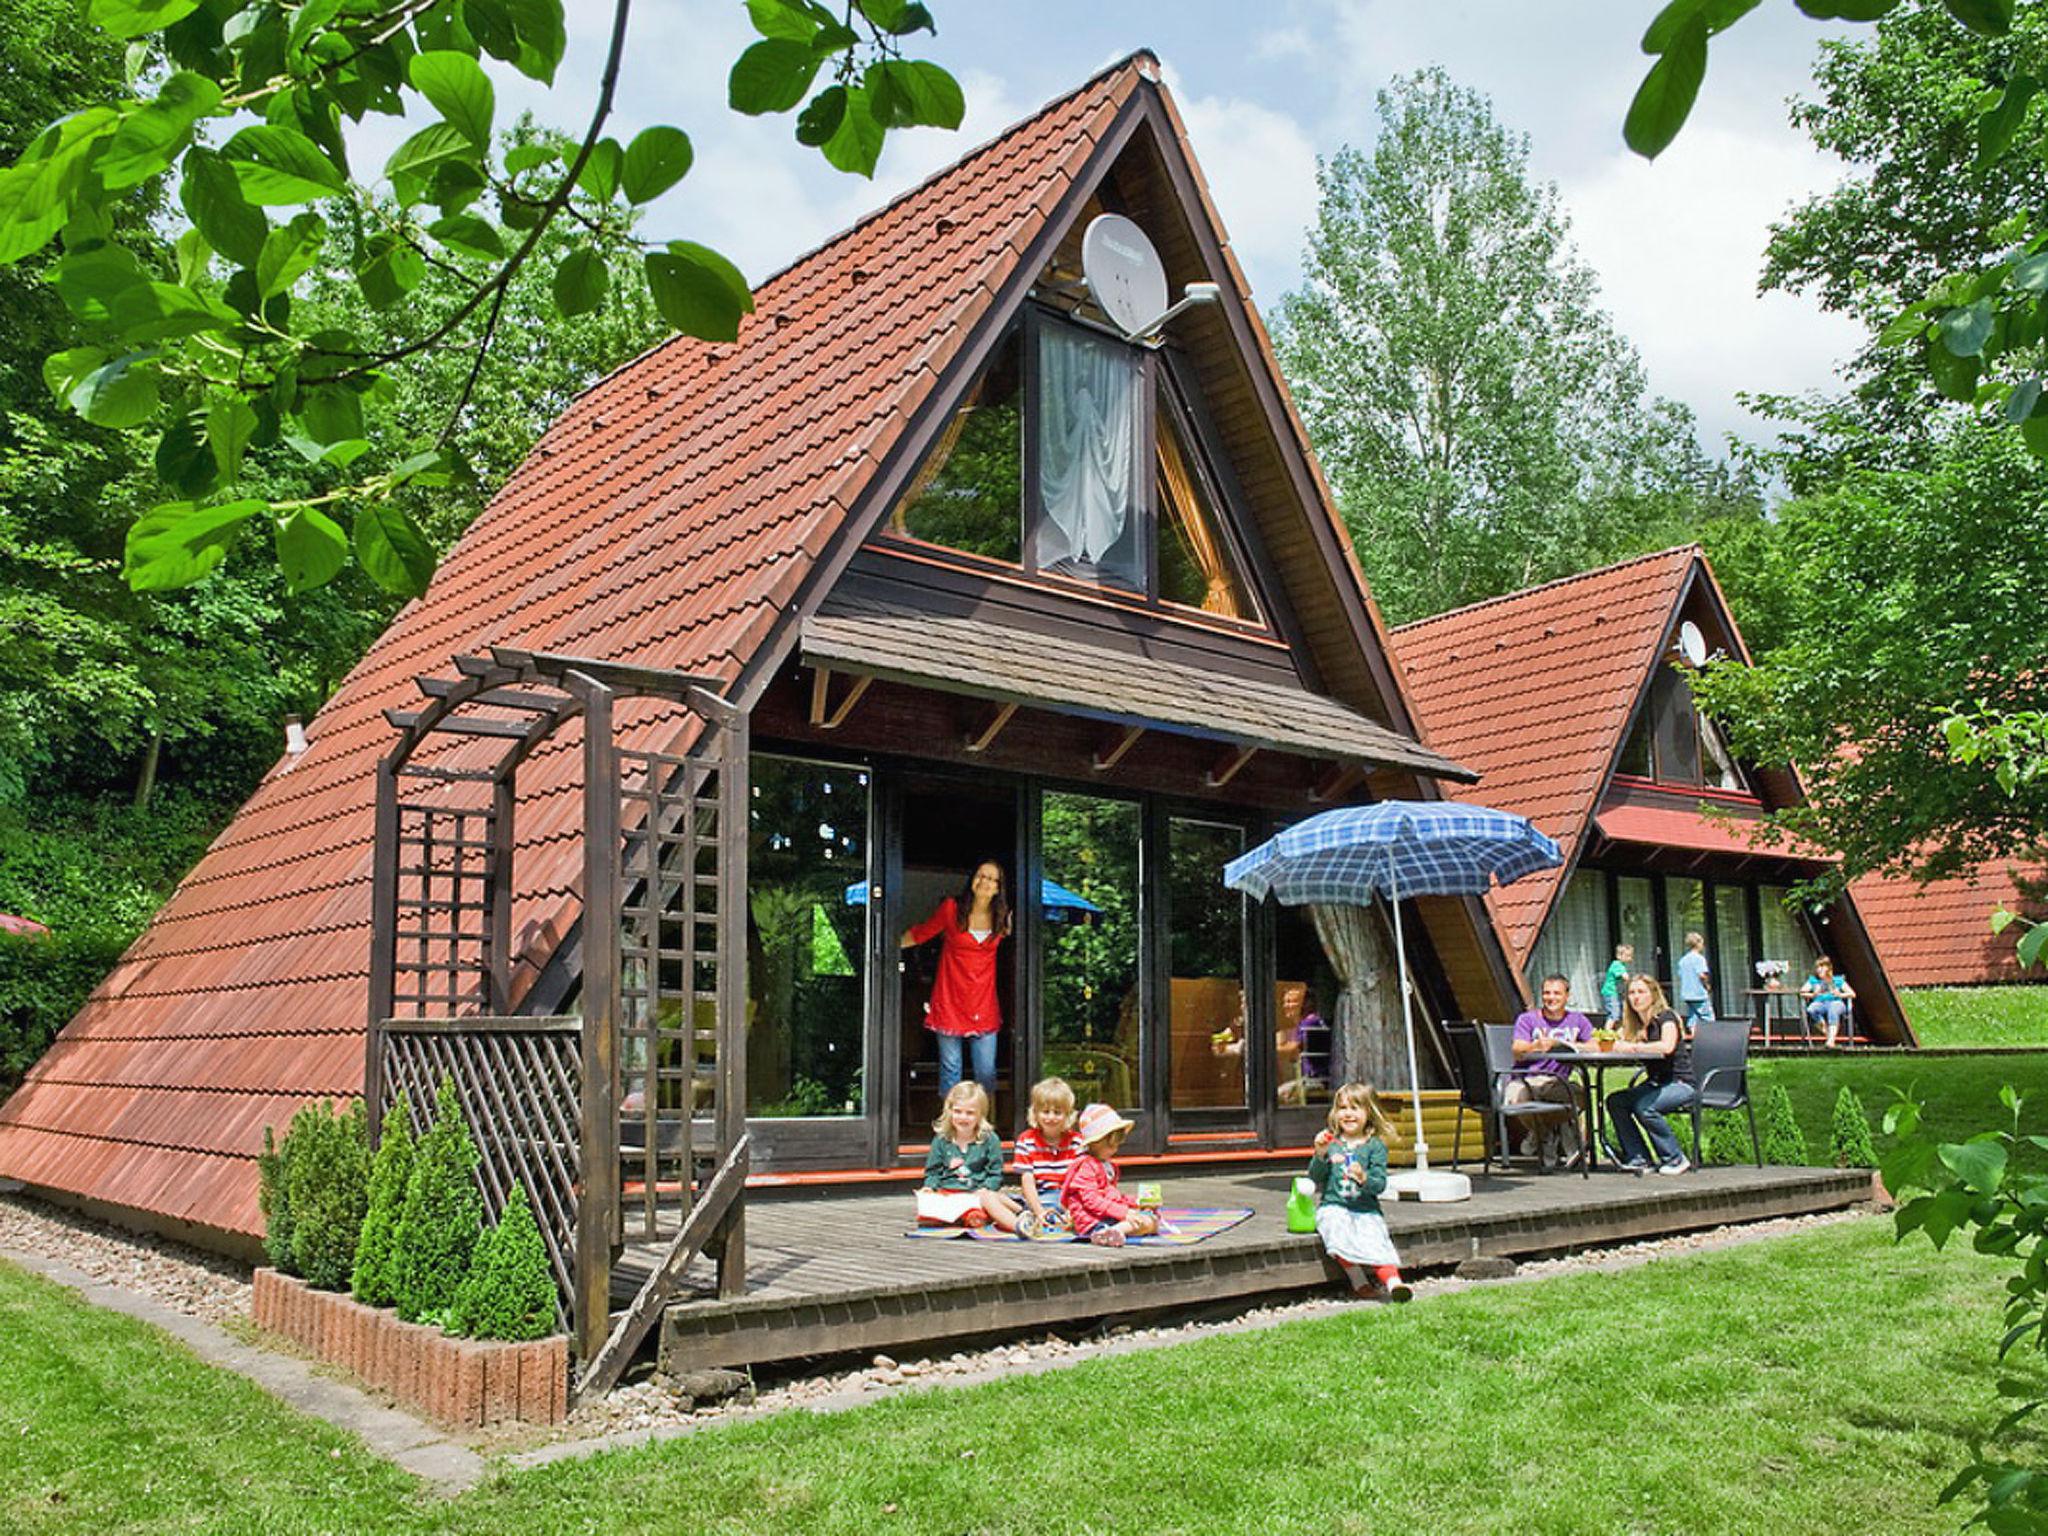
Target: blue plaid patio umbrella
1395,849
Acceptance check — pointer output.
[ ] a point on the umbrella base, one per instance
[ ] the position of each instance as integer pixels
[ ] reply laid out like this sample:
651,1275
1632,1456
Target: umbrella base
1429,1185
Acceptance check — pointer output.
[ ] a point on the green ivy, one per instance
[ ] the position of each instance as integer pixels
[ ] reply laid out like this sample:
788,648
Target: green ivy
390,1171
509,1292
442,1217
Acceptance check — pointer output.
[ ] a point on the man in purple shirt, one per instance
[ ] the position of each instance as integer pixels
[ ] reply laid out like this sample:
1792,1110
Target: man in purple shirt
1540,1076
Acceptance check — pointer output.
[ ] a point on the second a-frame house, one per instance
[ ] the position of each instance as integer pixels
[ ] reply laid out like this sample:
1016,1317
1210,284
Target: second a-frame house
1572,701
956,572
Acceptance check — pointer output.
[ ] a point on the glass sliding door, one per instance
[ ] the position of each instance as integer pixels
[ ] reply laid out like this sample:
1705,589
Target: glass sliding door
807,938
1574,942
1733,973
1685,911
1636,911
1209,1038
1088,944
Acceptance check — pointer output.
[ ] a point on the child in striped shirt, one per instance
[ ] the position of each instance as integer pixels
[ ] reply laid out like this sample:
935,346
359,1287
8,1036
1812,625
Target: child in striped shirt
1045,1150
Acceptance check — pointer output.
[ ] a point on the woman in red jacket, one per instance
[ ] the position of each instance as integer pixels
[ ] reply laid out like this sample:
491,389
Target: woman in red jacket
964,1005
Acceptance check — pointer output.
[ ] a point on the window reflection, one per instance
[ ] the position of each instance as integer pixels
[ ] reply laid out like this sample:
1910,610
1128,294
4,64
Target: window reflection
1206,1009
1089,848
969,495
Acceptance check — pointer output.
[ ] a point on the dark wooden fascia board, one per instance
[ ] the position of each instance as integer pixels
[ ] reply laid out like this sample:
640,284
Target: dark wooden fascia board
886,484
1320,516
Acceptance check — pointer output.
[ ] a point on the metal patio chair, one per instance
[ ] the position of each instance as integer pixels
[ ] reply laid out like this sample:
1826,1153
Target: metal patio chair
1481,1056
1720,1074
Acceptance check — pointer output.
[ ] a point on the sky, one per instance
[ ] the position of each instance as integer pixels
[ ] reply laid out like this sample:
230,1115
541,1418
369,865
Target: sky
1267,88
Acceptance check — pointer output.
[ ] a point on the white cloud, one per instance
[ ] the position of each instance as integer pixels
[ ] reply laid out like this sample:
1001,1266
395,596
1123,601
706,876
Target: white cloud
1261,170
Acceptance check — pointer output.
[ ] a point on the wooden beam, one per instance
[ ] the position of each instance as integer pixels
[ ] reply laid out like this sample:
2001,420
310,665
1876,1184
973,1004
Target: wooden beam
1227,768
496,698
825,716
463,725
979,740
1108,757
1338,781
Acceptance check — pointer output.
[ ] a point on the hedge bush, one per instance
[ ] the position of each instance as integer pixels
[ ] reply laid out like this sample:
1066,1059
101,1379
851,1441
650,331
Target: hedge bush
442,1217
1849,1132
1778,1128
371,1280
509,1292
327,1185
273,1198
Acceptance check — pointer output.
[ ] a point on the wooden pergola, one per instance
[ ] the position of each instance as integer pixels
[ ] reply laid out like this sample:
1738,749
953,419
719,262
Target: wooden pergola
628,1112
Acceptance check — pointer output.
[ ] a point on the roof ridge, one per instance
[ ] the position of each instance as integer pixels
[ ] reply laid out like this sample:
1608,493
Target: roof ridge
1693,547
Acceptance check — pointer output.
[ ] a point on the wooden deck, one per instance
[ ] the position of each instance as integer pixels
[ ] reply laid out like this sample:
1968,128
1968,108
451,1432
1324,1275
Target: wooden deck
832,1273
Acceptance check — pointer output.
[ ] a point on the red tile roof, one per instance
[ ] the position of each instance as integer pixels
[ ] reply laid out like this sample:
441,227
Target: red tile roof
1534,690
667,519
1939,934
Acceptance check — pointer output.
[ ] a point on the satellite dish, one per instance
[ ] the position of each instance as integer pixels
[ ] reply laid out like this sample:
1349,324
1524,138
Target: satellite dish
1692,645
1124,273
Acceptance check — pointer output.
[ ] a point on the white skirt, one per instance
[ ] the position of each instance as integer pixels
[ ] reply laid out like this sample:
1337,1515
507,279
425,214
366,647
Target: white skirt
1358,1236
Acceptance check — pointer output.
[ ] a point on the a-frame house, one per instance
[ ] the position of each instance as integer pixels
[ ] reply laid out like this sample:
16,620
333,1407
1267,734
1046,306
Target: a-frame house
780,639
1571,700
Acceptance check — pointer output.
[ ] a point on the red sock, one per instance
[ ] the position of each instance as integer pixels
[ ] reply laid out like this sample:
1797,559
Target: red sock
1387,1274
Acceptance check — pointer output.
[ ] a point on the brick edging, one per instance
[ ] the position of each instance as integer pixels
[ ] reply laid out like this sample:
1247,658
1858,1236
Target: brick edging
464,1382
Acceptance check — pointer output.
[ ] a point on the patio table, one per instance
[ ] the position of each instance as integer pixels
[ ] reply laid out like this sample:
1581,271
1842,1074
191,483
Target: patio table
1593,1064
1767,1011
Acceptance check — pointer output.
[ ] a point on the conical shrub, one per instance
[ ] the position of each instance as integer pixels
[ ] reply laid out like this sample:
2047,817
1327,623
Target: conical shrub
1778,1129
273,1197
391,1170
1849,1132
1727,1137
510,1291
327,1181
442,1217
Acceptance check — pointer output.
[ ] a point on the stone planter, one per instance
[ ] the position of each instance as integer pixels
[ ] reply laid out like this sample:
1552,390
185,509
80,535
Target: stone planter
467,1383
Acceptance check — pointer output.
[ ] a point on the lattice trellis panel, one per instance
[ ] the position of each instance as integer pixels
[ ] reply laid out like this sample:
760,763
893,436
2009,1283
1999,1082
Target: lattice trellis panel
668,973
519,1083
444,914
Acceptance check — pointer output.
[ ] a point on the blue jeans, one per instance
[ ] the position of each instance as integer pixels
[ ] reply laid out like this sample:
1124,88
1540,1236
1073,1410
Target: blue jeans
1698,1011
1642,1108
1827,1011
983,1049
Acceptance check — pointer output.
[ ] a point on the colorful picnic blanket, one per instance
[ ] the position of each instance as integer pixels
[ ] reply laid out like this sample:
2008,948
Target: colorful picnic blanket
1179,1225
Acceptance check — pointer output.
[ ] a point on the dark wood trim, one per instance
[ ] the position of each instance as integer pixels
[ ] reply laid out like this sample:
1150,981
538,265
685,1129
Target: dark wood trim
1229,766
825,715
734,776
983,734
1027,1040
885,1050
1155,971
1113,751
597,1211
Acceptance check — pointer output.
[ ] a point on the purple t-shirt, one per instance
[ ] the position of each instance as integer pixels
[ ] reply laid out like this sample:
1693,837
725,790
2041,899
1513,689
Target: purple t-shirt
1573,1026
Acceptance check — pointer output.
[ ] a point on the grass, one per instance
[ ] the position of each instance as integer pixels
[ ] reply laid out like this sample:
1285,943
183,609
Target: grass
1822,1382
1951,1016
1959,1094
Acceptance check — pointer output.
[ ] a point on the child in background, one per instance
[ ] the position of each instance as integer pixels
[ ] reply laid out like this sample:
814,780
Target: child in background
963,1172
1093,1202
1615,982
1349,1170
1045,1150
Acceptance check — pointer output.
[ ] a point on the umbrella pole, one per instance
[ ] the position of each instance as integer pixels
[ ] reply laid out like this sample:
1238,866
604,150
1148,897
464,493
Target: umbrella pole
1408,1026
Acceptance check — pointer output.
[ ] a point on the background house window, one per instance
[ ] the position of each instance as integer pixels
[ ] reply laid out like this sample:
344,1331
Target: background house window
969,495
1086,521
1574,942
1674,743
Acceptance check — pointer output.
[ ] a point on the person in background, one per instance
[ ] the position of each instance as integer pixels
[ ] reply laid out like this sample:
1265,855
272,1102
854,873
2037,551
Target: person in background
964,1007
1695,983
1639,1109
1827,996
1615,982
1540,1076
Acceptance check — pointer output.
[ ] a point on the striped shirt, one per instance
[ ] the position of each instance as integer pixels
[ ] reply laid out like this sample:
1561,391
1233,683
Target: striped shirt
1045,1163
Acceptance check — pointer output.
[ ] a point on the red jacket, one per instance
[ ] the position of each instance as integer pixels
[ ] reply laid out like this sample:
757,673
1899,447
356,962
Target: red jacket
963,1000
1091,1196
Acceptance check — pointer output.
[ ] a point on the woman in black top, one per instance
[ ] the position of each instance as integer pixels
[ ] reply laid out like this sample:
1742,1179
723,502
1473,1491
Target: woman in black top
1647,1021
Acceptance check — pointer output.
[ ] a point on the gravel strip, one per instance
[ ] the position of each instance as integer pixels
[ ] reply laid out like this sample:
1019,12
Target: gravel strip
185,1279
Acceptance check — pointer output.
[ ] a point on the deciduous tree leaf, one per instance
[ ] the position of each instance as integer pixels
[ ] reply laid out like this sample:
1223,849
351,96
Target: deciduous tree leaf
89,281
288,252
132,18
698,291
527,34
392,271
183,461
782,19
152,136
910,93
856,144
600,177
278,166
211,195
310,548
1664,100
459,90
470,234
428,148
2031,944
37,191
656,160
64,371
1991,18
392,550
176,544
1979,1163
580,282
773,75
119,393
230,423
330,412
821,117
1964,331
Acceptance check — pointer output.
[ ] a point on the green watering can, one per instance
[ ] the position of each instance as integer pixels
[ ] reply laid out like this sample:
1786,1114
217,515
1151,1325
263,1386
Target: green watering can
1301,1206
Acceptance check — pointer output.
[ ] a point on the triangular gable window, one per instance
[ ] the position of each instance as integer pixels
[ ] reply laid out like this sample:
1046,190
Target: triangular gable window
1077,459
1674,743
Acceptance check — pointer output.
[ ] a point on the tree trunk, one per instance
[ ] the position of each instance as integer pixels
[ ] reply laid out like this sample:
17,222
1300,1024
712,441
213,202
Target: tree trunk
145,781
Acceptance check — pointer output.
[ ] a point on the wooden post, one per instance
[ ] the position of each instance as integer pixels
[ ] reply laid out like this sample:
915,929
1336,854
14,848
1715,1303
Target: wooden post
383,936
597,1211
731,725
498,890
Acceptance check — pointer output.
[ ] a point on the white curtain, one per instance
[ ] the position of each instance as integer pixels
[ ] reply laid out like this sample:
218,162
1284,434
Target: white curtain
1574,943
1087,420
1366,1028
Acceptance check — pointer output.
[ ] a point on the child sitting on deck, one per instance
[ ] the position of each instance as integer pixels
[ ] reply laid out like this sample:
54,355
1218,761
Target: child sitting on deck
963,1172
1045,1150
1093,1202
1349,1170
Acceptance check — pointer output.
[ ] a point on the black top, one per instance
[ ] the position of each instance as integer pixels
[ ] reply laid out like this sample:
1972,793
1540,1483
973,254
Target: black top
1678,1065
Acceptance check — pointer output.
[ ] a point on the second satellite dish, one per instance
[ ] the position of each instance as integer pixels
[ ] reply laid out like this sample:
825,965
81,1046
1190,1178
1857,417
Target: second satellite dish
1124,273
1692,645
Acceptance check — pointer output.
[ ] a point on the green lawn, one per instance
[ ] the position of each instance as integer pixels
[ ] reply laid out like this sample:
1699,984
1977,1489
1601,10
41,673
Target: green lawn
1824,1382
1979,1015
1959,1093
